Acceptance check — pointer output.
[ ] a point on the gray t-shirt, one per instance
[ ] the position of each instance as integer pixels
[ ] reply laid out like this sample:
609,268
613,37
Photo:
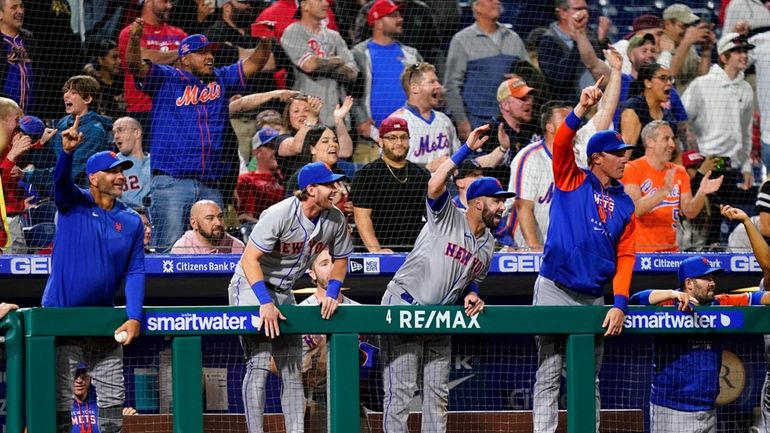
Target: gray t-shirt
300,44
445,259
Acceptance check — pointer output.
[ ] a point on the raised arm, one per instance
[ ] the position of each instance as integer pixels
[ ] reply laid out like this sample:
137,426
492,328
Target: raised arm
251,102
65,191
758,245
437,182
134,60
258,59
343,136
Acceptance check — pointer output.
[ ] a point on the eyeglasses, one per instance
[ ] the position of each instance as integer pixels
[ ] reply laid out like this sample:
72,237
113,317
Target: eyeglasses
414,68
665,78
396,138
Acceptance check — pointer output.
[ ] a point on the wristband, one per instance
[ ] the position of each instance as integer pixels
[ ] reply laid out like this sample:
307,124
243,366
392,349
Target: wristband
333,289
260,289
461,154
500,148
621,302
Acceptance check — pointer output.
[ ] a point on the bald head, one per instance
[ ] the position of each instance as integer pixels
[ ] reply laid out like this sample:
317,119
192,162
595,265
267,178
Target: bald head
207,219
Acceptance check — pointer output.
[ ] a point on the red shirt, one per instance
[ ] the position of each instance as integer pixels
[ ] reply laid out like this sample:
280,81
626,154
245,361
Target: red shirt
258,191
163,38
282,13
14,195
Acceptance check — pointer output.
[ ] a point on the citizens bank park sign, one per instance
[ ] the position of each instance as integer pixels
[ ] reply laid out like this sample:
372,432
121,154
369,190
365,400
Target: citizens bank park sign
159,265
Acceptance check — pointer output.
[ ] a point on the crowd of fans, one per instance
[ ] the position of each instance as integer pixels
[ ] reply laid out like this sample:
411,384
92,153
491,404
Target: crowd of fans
218,104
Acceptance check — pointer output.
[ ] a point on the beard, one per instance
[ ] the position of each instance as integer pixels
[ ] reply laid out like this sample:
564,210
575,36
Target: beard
392,156
488,217
216,234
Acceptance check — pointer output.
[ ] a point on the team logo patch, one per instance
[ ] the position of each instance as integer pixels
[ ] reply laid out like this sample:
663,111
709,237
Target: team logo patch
118,227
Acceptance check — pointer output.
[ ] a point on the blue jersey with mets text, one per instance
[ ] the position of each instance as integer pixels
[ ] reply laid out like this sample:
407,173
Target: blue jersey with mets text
686,367
94,249
189,120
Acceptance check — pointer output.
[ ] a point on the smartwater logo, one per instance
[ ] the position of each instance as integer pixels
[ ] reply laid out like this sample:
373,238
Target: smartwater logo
187,322
679,320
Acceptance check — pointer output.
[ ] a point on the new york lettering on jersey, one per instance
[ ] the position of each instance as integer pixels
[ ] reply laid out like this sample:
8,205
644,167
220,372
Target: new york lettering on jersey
463,255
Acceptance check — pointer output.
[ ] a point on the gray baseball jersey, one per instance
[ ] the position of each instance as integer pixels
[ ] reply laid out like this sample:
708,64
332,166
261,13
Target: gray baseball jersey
290,242
445,259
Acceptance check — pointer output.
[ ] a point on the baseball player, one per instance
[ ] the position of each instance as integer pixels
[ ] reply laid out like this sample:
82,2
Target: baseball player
98,233
282,245
590,244
685,380
450,257
315,352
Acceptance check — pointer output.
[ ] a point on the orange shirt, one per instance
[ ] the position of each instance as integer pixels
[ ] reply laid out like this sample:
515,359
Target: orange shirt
656,230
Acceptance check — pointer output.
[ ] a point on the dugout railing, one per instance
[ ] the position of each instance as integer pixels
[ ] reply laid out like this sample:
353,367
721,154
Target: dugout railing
34,369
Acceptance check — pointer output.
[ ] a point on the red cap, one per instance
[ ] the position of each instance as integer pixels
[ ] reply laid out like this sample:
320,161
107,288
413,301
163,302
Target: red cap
691,158
393,124
379,9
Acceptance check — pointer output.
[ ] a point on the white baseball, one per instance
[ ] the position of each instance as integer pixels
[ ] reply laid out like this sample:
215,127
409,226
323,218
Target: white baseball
121,336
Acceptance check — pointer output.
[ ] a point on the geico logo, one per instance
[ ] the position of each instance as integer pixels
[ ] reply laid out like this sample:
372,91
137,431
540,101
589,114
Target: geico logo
744,264
521,263
30,265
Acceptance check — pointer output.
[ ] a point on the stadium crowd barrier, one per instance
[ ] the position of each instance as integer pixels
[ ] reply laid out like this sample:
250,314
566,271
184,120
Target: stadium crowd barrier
33,370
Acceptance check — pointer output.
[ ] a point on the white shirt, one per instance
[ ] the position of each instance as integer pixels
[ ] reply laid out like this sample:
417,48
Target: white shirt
532,179
428,139
721,113
760,57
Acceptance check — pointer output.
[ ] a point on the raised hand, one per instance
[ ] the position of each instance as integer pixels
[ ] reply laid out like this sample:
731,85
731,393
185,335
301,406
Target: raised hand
136,30
342,110
71,138
707,186
591,95
476,139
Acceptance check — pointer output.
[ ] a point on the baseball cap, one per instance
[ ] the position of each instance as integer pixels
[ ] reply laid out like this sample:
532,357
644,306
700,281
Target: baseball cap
316,173
105,160
644,22
733,41
264,137
32,126
515,87
681,13
194,43
639,40
694,267
487,187
82,368
379,9
393,124
606,141
469,167
691,158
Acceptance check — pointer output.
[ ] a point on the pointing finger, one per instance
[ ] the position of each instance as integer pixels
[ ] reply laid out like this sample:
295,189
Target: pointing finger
599,81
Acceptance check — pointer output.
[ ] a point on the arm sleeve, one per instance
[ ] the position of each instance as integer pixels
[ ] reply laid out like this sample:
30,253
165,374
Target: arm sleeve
441,213
640,298
567,176
135,277
153,81
626,257
65,191
737,300
233,78
342,50
456,64
343,244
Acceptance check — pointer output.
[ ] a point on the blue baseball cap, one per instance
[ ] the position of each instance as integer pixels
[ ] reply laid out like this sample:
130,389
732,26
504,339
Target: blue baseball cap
106,160
81,368
263,137
32,126
195,43
487,187
316,173
606,141
695,267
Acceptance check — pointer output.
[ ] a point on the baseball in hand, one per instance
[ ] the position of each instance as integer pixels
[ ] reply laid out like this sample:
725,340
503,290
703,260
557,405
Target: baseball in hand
121,336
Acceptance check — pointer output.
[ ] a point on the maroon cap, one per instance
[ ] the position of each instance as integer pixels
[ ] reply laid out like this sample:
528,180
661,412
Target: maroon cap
691,158
393,124
645,22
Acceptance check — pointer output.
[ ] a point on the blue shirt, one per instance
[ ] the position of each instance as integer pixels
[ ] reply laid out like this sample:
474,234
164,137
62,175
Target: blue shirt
85,415
189,120
387,64
677,108
94,249
686,367
19,76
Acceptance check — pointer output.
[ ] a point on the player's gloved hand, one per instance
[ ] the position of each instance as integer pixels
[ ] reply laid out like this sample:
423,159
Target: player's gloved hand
132,328
270,315
473,304
613,321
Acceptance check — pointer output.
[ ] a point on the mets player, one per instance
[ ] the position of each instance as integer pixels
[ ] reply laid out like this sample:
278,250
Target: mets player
450,257
592,244
686,368
282,245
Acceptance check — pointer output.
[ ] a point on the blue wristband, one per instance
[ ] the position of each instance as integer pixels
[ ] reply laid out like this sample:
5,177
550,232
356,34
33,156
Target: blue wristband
461,154
622,303
260,289
333,289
